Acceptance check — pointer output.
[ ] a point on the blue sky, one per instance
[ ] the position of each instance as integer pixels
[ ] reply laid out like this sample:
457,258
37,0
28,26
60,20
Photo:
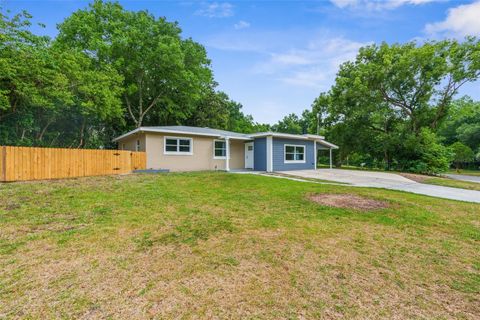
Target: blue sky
275,57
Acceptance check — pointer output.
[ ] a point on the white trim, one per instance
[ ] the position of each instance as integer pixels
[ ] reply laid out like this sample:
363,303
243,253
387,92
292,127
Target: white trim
328,144
269,154
216,157
177,153
295,146
227,160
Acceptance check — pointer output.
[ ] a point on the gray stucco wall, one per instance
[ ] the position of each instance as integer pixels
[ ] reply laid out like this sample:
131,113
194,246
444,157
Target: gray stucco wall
260,154
278,155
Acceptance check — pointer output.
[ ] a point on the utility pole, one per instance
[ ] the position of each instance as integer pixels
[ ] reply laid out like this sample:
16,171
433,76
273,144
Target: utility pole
318,123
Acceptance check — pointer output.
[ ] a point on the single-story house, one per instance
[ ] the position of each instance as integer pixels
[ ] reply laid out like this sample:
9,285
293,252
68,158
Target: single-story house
184,148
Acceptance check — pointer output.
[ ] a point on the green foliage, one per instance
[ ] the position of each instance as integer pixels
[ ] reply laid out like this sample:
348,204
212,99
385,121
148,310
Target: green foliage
108,71
424,154
462,123
461,154
43,86
150,55
382,103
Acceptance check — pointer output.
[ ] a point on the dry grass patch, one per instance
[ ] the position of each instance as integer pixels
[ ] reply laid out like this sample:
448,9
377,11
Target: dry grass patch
348,201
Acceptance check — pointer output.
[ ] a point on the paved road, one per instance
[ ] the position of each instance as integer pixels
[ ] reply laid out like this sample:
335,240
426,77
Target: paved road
387,181
464,177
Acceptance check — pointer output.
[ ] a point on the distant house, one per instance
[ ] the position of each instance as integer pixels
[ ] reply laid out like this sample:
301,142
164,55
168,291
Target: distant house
183,148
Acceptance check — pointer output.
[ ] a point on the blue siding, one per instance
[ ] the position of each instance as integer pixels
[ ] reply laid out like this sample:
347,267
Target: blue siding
279,157
260,154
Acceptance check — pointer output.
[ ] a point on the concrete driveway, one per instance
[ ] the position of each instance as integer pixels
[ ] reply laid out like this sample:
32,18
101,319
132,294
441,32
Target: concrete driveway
387,181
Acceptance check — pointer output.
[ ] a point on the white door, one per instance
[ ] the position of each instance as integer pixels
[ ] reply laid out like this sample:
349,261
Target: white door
249,155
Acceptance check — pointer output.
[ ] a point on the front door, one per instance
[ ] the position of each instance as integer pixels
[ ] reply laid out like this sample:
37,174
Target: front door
249,155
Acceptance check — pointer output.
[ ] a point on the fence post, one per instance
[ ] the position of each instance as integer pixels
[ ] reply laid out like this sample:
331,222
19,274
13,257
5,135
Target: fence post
3,173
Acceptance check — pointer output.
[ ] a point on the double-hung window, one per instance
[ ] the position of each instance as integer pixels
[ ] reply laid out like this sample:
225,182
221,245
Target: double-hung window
294,154
219,149
179,146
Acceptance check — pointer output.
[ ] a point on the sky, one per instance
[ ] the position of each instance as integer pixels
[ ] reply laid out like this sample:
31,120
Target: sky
276,57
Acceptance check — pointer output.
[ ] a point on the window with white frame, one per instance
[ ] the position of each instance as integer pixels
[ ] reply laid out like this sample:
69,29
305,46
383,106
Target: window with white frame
294,154
219,149
137,146
175,145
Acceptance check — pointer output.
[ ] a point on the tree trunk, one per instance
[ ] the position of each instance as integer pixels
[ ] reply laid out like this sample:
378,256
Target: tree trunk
82,133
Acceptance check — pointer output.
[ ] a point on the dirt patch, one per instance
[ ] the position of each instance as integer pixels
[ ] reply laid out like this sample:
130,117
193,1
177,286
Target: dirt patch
415,177
350,201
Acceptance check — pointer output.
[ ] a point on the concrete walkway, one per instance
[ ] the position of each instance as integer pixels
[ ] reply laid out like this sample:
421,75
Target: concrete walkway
464,177
387,181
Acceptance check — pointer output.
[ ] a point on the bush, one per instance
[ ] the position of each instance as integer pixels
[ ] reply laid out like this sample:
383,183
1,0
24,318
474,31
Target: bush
425,154
461,154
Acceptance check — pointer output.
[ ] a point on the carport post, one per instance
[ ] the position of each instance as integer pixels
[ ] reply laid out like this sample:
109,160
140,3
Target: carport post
331,165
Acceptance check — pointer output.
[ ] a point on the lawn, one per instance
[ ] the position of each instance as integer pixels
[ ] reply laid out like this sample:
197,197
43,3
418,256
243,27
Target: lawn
447,182
217,245
466,172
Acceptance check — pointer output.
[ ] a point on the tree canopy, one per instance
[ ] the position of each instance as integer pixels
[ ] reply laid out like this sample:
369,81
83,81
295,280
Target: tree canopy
109,70
392,98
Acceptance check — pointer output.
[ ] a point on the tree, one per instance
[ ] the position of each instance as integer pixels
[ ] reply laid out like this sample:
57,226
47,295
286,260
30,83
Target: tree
461,154
164,76
41,84
462,123
390,92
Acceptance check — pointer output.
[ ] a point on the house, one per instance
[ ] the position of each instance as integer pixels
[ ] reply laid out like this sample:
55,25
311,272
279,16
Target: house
183,148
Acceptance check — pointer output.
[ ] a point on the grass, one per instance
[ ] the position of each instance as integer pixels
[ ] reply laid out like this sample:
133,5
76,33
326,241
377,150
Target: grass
217,245
447,182
467,172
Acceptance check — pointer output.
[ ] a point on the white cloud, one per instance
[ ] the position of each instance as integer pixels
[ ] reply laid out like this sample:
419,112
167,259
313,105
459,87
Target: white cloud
216,10
314,65
241,25
377,4
461,21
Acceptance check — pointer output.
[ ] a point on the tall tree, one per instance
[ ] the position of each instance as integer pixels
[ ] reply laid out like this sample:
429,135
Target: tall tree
390,92
164,75
40,83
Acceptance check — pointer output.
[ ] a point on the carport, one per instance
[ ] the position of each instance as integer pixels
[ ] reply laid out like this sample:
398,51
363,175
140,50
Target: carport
324,145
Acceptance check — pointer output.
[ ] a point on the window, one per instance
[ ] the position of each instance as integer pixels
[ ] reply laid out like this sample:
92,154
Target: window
220,149
294,154
178,145
137,146
123,146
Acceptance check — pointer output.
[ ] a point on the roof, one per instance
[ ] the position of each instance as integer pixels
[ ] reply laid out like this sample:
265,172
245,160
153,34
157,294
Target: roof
209,132
287,135
199,131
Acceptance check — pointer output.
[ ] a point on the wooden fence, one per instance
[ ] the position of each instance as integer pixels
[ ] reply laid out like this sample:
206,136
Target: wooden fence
25,163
